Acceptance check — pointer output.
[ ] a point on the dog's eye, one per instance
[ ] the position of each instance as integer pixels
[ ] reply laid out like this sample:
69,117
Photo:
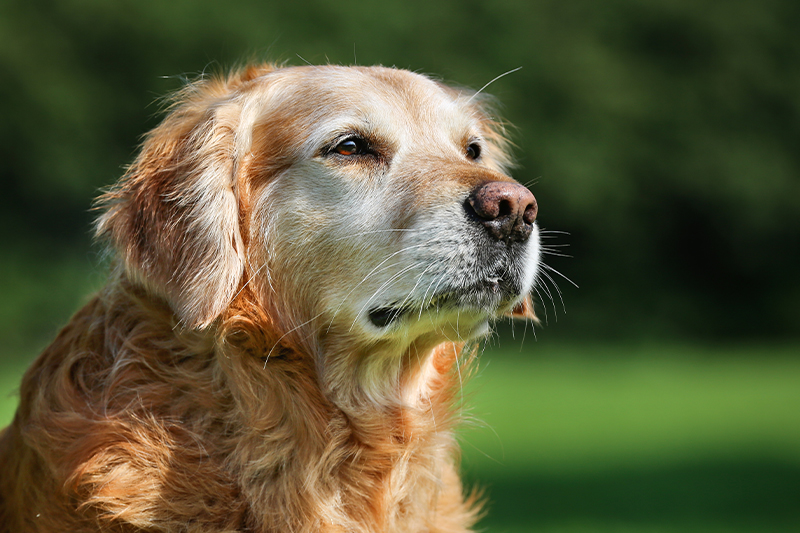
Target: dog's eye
473,151
352,146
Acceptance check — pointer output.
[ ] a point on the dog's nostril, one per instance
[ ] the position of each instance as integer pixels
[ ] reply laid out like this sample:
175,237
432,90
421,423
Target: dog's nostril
531,211
506,209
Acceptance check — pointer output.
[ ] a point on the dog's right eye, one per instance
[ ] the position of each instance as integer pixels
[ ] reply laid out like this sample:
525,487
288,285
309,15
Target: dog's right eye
352,146
473,151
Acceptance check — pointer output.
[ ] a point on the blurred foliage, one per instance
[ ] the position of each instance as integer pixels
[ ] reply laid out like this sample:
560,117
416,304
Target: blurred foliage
662,135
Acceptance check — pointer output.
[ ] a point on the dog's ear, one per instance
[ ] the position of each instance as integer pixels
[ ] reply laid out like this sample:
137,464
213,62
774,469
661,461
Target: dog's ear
524,310
173,217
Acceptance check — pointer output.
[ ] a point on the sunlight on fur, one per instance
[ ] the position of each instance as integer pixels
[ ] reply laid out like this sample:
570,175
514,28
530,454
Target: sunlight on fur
302,255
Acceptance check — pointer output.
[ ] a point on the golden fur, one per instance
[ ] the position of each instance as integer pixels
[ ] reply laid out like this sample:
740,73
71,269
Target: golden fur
226,378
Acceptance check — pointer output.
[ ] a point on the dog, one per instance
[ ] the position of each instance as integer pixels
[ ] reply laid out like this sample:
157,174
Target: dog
303,258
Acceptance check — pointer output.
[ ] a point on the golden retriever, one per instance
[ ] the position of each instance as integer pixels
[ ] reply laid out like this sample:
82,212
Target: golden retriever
302,253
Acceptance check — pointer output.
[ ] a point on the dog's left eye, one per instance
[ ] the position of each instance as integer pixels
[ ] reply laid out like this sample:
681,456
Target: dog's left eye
352,146
473,151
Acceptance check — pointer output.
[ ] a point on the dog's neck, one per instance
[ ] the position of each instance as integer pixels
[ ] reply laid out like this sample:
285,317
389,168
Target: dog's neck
373,415
386,375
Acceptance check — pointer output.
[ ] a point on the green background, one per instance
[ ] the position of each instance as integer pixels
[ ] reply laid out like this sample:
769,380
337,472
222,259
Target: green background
662,136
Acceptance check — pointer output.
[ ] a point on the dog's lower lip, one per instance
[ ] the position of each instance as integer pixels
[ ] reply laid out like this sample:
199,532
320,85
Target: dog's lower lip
385,316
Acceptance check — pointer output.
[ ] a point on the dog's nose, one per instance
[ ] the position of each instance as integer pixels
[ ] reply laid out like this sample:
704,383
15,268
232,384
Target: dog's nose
506,209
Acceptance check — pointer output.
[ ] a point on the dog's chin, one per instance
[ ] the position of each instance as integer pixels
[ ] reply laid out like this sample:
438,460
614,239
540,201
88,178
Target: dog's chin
448,322
466,312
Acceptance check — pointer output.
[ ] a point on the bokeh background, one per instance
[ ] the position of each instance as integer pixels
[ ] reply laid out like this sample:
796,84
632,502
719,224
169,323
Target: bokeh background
663,138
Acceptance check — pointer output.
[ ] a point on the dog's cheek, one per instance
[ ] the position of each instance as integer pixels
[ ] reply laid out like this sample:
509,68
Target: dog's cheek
298,252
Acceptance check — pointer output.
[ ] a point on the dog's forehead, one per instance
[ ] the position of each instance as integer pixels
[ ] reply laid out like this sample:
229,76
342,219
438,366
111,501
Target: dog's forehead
381,98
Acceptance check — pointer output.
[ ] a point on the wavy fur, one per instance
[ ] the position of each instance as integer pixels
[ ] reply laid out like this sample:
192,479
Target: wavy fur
226,378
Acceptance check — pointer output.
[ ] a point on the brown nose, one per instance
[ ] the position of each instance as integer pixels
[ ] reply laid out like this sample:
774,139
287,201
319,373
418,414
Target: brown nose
506,209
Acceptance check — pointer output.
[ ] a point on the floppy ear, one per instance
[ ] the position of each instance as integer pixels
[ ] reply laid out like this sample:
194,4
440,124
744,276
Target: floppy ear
524,310
173,217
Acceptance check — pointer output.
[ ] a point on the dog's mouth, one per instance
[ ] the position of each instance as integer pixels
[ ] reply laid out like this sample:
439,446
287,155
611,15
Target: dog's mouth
385,316
487,297
382,317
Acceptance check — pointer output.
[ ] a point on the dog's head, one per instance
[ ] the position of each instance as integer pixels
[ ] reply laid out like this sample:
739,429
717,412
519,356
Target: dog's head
372,202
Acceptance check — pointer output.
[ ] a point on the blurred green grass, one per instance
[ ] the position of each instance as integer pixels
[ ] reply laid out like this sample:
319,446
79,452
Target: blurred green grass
639,439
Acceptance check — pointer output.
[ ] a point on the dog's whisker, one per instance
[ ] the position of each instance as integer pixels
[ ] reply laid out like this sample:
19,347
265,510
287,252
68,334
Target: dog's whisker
557,254
524,332
532,181
393,279
438,279
460,379
558,290
304,60
474,95
253,276
410,293
376,231
554,271
347,296
425,297
266,359
543,286
544,307
375,270
390,256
